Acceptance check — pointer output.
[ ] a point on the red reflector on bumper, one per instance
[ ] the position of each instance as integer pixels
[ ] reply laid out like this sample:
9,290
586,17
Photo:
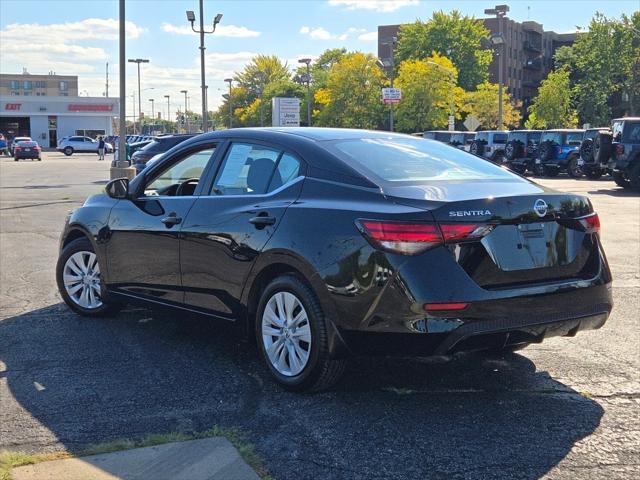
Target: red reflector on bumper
444,307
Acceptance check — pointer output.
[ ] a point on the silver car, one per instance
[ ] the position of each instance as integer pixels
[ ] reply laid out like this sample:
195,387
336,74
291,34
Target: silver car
78,144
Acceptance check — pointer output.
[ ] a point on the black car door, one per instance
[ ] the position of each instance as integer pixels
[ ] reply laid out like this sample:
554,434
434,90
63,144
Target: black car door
143,241
229,225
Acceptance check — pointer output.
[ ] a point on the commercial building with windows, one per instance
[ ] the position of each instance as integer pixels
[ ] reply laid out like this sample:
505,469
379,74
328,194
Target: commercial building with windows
48,119
528,53
51,85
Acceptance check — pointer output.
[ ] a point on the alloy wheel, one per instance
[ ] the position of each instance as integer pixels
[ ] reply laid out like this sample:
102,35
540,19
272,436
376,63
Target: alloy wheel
81,277
286,333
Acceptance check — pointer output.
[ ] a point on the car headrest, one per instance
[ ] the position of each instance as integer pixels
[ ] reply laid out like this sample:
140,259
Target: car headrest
259,174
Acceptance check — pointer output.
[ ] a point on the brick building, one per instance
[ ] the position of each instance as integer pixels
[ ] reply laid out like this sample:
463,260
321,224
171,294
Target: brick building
51,85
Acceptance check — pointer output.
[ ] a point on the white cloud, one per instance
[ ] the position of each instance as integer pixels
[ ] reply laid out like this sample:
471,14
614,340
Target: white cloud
377,5
319,33
231,31
368,36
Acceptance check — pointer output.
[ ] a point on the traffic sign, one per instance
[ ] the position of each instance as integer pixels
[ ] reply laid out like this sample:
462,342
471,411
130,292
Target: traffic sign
472,123
391,95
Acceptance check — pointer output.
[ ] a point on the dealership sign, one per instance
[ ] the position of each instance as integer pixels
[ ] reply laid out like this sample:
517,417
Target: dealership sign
81,107
285,112
391,95
12,106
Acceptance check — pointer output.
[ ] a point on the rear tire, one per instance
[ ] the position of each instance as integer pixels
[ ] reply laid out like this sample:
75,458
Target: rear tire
621,179
296,353
68,151
634,176
593,173
573,169
78,278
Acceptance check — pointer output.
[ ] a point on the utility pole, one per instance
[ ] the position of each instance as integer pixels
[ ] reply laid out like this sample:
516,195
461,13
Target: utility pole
500,11
153,113
106,87
133,96
191,18
186,117
229,81
390,62
307,62
168,109
139,61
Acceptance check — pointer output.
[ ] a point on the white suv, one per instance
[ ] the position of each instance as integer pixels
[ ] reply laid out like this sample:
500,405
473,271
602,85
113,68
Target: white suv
490,145
71,145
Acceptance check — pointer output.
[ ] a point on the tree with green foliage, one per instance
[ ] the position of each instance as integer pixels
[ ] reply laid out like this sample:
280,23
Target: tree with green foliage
425,94
351,97
450,34
483,104
552,108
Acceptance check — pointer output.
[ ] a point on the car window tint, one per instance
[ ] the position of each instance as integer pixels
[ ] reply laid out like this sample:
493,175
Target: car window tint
415,160
632,133
189,167
246,170
499,138
482,136
288,169
574,138
534,137
553,137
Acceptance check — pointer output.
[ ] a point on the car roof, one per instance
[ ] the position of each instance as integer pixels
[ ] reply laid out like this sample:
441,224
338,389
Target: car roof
525,131
626,119
492,131
565,130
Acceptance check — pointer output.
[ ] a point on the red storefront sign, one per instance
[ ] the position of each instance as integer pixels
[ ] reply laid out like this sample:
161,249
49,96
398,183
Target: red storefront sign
75,107
12,106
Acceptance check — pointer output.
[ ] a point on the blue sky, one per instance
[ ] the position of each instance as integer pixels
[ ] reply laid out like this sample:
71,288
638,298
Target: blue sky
80,36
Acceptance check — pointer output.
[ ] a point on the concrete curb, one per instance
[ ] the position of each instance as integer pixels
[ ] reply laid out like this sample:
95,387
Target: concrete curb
206,459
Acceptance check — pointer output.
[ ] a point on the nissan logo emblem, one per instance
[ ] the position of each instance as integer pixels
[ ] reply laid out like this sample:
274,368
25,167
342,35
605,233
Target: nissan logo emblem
540,207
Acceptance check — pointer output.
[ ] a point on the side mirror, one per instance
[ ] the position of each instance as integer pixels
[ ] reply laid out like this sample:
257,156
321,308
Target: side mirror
118,188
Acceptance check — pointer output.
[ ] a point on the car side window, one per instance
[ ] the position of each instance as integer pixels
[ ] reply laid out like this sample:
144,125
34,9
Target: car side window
180,178
288,168
246,170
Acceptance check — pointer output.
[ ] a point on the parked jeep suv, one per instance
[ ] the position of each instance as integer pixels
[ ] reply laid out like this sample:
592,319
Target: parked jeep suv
593,162
557,150
490,145
521,149
625,152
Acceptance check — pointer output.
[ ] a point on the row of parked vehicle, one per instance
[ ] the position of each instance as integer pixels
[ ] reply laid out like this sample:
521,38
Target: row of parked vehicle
20,148
591,152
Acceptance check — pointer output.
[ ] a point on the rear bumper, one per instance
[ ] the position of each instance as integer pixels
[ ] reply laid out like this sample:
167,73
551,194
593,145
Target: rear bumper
487,324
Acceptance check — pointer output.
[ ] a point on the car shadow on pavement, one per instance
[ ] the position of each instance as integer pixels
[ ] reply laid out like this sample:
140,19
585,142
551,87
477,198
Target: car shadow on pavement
69,382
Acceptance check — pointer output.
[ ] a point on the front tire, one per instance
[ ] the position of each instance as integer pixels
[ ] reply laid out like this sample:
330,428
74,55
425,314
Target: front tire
292,336
68,151
79,281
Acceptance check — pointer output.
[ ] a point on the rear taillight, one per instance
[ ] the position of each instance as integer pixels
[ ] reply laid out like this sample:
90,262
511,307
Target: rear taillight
37,147
591,224
411,238
619,149
17,149
445,307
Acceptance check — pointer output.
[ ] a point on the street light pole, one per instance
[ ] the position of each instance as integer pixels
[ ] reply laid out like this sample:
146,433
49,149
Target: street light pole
153,113
500,11
192,18
168,109
307,62
451,86
139,61
229,81
186,117
122,139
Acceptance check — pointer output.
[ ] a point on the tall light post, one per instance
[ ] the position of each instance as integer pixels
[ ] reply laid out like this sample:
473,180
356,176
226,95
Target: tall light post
500,11
389,63
307,79
186,117
451,85
122,139
229,81
153,116
133,96
139,61
192,18
168,109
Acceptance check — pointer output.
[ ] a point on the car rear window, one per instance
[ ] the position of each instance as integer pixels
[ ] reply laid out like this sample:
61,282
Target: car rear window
499,138
518,136
414,160
574,138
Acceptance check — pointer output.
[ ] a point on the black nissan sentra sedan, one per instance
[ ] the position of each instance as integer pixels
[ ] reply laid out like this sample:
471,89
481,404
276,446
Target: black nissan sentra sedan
327,243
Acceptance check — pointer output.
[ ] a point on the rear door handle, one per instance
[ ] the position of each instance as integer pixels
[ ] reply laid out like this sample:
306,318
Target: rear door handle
171,220
262,221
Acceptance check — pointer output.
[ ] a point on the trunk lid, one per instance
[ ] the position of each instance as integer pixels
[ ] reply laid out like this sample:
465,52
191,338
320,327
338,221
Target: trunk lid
535,236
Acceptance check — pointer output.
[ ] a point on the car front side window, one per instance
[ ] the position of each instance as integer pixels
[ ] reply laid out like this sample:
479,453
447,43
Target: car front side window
180,178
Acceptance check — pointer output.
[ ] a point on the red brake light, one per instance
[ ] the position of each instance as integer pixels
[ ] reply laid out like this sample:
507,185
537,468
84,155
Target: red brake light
17,149
619,149
401,237
411,238
591,224
445,307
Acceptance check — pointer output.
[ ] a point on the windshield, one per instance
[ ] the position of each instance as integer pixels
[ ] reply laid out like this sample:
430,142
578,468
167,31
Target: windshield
415,160
553,137
574,138
150,146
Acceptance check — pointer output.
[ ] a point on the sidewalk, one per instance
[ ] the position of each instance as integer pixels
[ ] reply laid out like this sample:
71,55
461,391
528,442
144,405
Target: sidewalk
207,459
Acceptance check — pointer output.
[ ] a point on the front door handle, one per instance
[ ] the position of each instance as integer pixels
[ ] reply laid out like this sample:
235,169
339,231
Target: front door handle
171,220
262,220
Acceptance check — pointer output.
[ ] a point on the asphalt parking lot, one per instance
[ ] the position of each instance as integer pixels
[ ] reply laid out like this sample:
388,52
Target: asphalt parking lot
568,408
